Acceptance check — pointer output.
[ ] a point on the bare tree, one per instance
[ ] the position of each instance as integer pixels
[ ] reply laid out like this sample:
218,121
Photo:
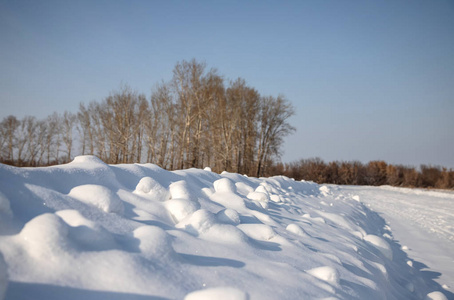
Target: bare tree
187,83
247,107
192,121
273,127
40,143
30,125
9,127
67,128
52,138
117,123
162,127
86,129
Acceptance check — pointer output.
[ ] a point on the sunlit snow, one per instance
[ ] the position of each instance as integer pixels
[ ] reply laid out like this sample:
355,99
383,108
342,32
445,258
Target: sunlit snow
87,230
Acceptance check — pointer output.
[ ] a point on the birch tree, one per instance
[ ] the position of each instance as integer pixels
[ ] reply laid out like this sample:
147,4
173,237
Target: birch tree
273,127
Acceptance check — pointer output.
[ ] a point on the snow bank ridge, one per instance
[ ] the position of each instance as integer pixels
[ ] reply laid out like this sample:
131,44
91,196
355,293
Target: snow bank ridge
91,230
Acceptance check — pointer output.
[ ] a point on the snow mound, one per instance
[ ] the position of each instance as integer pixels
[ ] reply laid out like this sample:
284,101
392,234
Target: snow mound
219,293
224,185
152,189
181,208
324,190
436,296
258,196
98,196
228,216
154,242
258,231
88,160
326,273
199,222
382,245
85,233
180,190
44,235
314,219
296,229
243,188
259,199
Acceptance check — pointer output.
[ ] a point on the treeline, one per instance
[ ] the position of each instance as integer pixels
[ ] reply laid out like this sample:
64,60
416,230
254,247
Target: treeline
373,173
196,119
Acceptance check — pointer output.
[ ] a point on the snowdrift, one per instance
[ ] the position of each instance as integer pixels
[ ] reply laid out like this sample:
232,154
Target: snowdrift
87,230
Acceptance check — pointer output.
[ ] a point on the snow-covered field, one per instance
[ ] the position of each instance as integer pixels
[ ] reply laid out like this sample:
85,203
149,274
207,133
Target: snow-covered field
423,224
87,230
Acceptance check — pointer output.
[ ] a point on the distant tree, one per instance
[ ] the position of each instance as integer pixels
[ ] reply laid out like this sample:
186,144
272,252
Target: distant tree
332,173
187,83
192,121
52,138
273,127
216,146
411,177
8,130
160,127
429,176
247,106
376,173
86,129
40,143
225,125
121,123
68,122
445,179
395,175
31,131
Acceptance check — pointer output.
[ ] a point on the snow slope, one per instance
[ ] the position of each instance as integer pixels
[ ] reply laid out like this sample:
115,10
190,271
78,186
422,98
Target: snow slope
87,230
422,222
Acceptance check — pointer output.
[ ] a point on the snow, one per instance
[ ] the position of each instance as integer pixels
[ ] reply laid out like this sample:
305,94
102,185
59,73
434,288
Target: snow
220,293
296,229
422,221
328,274
4,205
224,185
88,230
228,216
98,196
151,189
436,296
380,244
3,277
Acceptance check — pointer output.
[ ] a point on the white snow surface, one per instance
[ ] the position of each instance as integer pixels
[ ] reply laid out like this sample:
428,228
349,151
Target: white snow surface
88,230
422,222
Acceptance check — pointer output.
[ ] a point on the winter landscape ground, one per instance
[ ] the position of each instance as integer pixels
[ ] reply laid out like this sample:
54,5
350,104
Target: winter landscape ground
88,230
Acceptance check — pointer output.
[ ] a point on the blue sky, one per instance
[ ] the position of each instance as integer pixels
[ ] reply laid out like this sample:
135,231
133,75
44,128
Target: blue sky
369,79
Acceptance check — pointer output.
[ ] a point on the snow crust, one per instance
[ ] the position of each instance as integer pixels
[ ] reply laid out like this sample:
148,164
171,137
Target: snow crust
87,230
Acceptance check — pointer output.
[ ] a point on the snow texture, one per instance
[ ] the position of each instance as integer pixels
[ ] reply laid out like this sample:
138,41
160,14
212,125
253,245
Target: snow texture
220,293
328,274
3,277
88,230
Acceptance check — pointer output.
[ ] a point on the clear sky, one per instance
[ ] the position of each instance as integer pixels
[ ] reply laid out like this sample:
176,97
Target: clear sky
369,79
